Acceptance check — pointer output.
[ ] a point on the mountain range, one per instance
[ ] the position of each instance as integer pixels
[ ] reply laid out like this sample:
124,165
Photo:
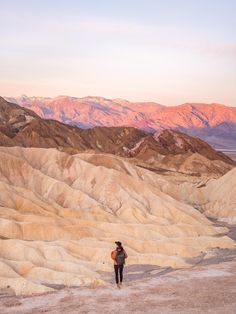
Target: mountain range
214,123
163,150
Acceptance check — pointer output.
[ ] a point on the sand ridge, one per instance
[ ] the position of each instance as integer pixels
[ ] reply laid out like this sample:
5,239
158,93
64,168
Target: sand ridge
61,214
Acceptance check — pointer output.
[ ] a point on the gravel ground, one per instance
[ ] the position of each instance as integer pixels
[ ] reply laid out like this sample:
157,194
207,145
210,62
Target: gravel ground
209,286
201,289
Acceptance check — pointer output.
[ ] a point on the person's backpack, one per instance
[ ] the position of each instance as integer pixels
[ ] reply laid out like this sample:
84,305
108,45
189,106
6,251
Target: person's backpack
120,257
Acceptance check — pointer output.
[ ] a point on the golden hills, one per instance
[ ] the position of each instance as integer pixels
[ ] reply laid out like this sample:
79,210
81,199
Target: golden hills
60,215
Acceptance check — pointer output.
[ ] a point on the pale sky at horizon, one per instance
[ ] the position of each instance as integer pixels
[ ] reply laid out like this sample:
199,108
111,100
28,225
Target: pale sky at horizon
170,52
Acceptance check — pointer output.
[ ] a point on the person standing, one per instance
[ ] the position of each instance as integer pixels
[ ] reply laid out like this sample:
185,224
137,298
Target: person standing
119,255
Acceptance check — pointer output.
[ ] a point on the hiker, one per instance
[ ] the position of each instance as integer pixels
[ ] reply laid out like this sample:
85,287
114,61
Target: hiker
119,255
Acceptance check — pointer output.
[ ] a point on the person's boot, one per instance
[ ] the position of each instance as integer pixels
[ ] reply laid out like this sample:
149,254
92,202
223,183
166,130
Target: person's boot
118,285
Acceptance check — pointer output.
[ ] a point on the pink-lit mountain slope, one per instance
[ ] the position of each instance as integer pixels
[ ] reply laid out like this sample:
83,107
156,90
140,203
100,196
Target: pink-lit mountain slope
162,151
214,123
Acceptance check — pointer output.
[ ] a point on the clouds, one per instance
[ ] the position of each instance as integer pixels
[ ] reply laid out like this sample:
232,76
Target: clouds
150,53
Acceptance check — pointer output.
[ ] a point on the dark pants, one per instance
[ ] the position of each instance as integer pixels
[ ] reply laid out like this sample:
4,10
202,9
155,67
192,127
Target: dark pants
119,269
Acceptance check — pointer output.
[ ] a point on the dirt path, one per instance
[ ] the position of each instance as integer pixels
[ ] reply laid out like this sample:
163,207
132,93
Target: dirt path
208,287
204,289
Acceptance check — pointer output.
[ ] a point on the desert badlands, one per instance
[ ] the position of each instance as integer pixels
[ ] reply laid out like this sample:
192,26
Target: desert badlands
62,208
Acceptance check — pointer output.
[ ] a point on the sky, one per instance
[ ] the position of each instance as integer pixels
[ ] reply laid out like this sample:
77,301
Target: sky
167,51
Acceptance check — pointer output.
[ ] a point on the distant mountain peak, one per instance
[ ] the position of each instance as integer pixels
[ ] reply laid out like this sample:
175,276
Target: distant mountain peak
210,122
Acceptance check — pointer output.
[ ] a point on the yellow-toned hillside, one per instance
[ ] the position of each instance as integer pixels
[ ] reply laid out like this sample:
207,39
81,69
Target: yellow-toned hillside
60,215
